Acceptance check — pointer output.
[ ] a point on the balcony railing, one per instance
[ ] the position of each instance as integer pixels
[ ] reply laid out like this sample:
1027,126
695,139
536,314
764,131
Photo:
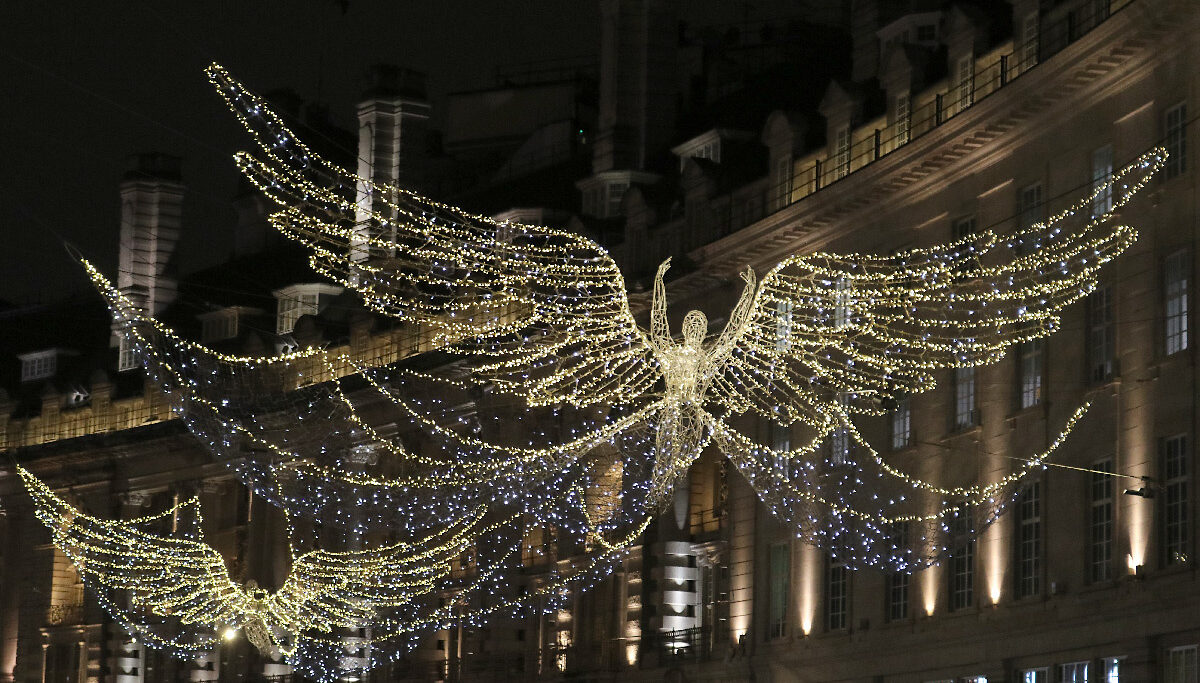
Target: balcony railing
927,111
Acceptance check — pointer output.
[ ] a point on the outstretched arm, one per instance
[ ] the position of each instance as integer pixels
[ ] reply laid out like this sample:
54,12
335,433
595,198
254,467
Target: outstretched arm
737,319
660,331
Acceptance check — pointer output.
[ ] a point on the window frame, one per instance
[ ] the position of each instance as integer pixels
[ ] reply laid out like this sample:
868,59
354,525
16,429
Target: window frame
1175,139
1101,522
966,399
1175,529
1029,553
1101,335
1176,283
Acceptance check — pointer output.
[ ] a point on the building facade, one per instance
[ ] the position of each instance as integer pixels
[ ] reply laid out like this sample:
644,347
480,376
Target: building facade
932,120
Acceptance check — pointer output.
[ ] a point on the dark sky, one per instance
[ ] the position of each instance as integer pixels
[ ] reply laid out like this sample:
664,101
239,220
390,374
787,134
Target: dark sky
83,85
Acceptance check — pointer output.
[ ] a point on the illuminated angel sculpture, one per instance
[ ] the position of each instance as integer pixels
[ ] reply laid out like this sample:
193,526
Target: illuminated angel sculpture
541,316
166,571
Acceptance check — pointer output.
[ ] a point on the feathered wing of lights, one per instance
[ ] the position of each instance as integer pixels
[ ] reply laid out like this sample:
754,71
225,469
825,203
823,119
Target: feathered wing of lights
541,315
170,590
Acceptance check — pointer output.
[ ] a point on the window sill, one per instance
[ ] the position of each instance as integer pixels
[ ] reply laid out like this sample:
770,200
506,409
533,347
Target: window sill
1038,410
960,433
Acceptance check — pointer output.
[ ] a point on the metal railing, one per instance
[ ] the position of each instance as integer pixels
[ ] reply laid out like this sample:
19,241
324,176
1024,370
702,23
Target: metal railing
927,111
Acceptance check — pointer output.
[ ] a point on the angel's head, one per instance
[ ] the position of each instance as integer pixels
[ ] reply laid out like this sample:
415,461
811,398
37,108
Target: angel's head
695,326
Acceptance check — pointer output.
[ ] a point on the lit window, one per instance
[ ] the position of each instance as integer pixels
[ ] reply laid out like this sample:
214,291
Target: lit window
783,325
1175,503
1181,664
780,570
1110,670
1100,538
1102,161
38,365
1030,359
837,593
966,82
901,425
841,152
1029,541
1175,290
1075,672
1101,335
1175,121
962,562
903,121
1034,676
964,398
841,303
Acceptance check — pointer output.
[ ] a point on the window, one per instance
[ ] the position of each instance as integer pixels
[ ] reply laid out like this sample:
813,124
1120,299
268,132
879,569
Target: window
901,109
897,591
291,306
962,563
127,358
1175,501
780,569
1101,524
1029,355
1175,294
1101,335
837,593
839,439
841,303
962,227
1034,676
38,365
1029,207
1102,201
1110,670
1029,541
901,425
782,181
964,398
897,581
1181,664
218,325
1175,129
616,192
781,441
1075,672
841,152
926,33
783,325
1028,49
966,81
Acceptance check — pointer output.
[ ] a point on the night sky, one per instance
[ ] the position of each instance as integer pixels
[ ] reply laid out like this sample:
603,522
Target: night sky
86,84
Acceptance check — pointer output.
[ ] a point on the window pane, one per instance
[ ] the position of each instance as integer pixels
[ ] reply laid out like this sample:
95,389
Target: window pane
1175,291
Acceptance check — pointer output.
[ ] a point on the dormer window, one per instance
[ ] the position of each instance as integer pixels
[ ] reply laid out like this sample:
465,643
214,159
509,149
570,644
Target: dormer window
603,192
223,323
918,29
707,145
38,365
298,300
